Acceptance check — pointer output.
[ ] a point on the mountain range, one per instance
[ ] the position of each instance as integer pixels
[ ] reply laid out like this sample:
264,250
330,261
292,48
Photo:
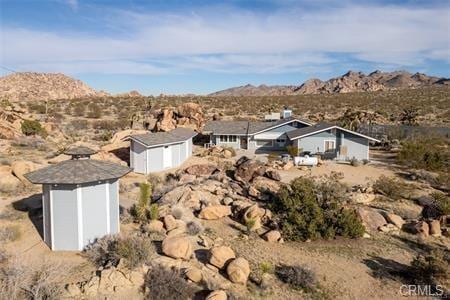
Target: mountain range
347,83
53,86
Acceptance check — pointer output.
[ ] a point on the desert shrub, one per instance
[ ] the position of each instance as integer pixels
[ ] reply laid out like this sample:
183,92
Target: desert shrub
443,180
79,109
292,150
272,156
391,187
107,251
427,153
177,212
104,136
194,227
265,267
330,190
250,224
431,267
94,112
10,233
31,281
78,124
37,108
110,125
442,203
299,277
355,162
32,127
141,209
310,210
155,181
154,211
164,283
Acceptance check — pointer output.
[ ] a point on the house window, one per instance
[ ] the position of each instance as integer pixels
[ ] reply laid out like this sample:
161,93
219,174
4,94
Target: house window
228,138
330,146
281,141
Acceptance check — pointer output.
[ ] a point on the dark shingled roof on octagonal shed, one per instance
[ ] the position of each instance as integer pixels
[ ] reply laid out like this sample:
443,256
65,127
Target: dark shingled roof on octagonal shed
76,171
177,135
80,150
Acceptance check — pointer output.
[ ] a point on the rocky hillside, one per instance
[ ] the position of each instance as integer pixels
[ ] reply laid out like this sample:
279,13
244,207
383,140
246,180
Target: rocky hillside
347,83
44,86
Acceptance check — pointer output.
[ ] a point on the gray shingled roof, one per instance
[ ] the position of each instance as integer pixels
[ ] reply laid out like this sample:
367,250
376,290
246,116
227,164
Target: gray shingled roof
244,127
320,127
76,171
80,150
163,138
226,127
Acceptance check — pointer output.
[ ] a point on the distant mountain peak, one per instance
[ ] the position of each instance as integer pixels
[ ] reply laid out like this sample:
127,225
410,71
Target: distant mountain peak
352,81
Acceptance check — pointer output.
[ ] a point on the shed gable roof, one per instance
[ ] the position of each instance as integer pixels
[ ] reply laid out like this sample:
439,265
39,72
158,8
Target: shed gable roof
177,135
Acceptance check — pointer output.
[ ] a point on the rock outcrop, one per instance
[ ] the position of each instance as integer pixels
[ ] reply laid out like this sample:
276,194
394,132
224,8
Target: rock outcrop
188,115
219,256
238,270
44,86
177,247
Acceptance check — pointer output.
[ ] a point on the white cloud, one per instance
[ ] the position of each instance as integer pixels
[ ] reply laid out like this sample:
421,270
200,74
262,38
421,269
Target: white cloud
232,40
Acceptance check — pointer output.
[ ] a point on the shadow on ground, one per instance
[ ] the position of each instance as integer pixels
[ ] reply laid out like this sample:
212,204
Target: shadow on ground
33,206
384,268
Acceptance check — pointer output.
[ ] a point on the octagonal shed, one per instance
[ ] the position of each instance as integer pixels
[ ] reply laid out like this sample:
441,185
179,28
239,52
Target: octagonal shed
80,199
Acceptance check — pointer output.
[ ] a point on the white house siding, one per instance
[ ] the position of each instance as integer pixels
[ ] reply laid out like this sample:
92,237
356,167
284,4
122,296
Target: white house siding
94,211
114,206
155,159
64,217
138,152
46,215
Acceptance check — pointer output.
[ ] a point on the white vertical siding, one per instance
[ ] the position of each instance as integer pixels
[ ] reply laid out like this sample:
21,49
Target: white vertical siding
94,212
114,206
139,159
46,224
65,217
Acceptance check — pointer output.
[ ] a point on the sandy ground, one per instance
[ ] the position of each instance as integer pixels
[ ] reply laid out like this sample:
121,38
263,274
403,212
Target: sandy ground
344,268
351,175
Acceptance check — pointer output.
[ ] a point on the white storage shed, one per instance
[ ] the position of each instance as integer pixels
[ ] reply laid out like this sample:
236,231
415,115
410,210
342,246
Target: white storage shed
153,152
80,199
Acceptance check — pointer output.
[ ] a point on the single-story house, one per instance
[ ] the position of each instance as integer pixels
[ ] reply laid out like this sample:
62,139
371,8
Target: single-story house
253,134
153,152
331,141
80,199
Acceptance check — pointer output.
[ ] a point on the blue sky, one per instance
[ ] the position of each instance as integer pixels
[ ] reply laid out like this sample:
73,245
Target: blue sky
177,47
